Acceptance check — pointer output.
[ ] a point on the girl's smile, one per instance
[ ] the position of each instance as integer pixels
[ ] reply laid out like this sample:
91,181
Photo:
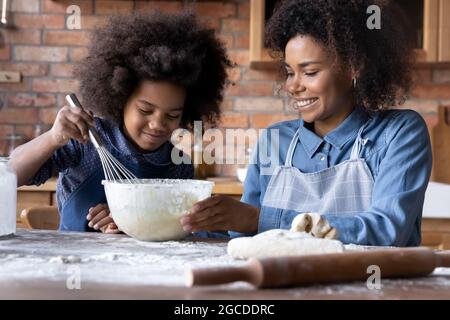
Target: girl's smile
153,138
152,113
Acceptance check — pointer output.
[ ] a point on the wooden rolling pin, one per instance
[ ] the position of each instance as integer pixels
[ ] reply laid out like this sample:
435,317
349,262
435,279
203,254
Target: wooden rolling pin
326,268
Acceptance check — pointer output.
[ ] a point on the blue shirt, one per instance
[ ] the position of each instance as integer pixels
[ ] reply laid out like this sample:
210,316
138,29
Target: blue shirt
397,152
75,162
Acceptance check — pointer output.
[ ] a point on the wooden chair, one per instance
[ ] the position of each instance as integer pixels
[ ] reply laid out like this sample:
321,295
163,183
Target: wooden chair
41,217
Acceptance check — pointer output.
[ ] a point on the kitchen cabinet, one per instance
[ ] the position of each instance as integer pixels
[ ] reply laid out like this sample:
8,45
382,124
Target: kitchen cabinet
435,39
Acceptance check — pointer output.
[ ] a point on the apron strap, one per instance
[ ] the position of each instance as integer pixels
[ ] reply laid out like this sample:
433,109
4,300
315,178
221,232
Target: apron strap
356,149
357,146
292,145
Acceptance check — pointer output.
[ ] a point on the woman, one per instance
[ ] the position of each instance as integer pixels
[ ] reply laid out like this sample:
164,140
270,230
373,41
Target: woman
351,168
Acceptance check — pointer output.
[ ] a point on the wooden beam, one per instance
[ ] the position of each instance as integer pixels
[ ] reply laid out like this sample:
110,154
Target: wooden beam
444,30
431,29
259,56
257,8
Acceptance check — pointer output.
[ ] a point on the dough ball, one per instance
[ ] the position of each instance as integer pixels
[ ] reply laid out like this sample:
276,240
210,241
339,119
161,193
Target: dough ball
279,242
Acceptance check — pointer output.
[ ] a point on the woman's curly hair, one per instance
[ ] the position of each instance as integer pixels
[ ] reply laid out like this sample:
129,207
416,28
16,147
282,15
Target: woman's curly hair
382,57
160,47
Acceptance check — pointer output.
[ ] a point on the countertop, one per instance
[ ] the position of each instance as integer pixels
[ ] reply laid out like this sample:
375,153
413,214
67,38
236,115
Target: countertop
72,265
223,185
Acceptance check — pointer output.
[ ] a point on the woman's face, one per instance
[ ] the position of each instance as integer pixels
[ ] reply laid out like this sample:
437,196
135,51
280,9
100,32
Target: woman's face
321,93
152,113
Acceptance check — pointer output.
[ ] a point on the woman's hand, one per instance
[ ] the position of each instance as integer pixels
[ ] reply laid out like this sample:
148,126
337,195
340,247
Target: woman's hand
100,219
221,213
71,123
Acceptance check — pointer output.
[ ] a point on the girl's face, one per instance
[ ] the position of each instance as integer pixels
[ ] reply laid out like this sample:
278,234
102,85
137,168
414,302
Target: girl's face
321,93
152,113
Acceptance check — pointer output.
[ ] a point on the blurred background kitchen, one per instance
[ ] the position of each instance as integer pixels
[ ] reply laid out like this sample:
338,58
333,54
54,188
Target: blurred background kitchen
38,51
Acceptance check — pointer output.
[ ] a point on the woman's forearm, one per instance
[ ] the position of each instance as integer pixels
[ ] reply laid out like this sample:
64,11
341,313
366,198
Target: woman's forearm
29,157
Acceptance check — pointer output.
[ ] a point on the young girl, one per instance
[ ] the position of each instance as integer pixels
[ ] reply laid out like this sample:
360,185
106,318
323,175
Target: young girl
144,77
350,168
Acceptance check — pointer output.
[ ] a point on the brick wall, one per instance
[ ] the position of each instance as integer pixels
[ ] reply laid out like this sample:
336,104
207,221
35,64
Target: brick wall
43,50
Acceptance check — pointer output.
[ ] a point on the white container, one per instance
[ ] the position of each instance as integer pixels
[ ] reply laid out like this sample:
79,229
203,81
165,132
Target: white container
437,201
241,174
151,210
8,198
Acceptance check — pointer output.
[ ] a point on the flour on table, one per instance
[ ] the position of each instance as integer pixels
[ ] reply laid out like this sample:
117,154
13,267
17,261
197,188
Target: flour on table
279,242
65,259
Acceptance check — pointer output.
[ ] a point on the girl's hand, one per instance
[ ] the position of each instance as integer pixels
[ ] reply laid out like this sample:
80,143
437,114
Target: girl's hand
71,123
221,213
110,228
100,219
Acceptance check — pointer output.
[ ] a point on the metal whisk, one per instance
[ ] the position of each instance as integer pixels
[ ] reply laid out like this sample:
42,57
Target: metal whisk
112,168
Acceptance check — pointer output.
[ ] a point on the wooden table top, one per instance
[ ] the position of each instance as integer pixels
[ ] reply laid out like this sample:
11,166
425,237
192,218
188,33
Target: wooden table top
53,265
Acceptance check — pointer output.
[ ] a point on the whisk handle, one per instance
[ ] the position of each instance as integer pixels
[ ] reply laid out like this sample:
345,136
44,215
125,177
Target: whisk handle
75,103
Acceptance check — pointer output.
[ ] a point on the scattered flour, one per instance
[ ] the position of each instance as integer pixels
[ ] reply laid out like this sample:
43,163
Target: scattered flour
118,259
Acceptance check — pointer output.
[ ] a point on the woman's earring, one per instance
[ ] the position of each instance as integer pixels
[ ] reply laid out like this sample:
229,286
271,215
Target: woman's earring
354,83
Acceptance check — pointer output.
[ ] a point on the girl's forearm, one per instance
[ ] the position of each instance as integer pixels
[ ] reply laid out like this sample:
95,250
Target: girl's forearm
28,158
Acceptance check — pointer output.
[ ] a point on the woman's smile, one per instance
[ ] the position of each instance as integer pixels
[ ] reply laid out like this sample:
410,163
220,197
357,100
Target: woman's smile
302,104
321,91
